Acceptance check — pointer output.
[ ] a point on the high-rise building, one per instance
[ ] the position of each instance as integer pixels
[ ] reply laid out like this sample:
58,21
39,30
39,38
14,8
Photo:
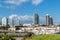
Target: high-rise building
49,20
4,21
11,22
16,21
36,19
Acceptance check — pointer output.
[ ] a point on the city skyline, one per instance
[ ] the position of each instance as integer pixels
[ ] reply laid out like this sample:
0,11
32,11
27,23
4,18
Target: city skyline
26,8
36,20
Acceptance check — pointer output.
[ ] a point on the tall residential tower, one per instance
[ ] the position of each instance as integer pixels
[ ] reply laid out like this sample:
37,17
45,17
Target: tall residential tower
36,19
16,21
49,20
4,21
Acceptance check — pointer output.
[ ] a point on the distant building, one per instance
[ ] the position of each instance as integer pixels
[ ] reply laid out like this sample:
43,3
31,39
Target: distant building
28,25
49,20
4,21
11,22
16,21
36,19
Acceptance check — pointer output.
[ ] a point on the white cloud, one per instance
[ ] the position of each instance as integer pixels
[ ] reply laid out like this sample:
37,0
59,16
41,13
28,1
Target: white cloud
13,15
22,18
17,2
26,17
37,2
14,3
9,7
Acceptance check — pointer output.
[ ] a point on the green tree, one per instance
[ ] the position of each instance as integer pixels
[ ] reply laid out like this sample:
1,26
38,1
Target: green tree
6,37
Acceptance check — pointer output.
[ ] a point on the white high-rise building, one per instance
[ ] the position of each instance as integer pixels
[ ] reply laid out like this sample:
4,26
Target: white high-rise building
49,20
4,21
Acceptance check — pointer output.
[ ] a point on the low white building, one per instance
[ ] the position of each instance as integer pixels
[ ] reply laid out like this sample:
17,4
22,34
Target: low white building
26,24
12,29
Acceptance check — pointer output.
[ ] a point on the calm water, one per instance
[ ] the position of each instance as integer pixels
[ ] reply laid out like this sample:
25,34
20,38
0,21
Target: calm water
58,33
13,32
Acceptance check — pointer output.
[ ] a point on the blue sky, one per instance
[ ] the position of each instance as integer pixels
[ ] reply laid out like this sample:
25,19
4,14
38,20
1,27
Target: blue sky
26,8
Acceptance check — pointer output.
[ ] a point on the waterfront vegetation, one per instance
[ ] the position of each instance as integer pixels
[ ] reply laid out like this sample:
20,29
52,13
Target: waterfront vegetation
30,36
11,35
6,37
42,37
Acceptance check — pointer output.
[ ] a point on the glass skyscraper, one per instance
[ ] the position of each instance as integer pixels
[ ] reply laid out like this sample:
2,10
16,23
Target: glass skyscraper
35,19
49,20
16,21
